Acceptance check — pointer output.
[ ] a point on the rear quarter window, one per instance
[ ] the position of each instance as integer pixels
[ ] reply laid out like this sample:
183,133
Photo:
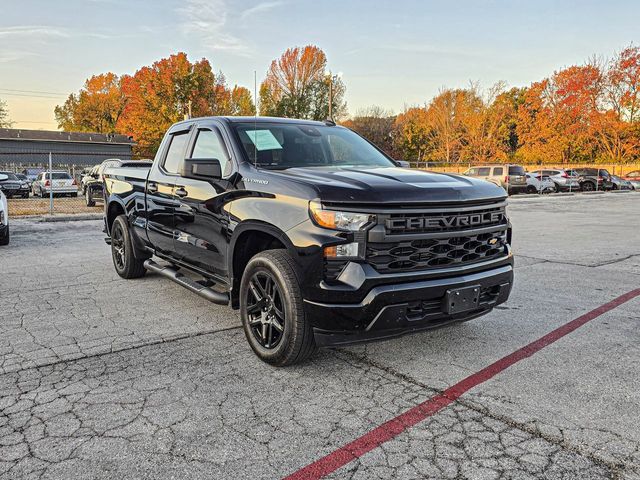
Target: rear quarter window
498,171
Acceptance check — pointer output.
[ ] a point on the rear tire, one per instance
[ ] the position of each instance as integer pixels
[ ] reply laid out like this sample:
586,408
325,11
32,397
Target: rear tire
272,310
587,187
122,250
88,200
531,189
5,240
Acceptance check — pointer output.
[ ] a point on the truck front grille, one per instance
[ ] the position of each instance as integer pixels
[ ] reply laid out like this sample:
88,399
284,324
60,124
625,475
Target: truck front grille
430,253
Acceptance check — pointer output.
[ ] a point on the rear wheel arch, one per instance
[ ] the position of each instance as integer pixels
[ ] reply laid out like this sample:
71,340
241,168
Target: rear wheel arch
113,211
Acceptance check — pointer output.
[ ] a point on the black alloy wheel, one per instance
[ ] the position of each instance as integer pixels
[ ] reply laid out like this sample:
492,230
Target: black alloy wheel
265,310
127,262
118,246
272,309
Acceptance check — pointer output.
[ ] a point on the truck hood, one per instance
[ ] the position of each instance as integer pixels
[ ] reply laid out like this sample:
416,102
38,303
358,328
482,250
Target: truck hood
391,185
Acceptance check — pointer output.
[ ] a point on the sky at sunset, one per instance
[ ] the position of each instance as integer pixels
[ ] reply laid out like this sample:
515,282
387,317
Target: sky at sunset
392,54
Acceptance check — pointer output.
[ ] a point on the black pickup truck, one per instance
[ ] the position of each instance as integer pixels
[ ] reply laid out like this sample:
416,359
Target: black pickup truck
316,235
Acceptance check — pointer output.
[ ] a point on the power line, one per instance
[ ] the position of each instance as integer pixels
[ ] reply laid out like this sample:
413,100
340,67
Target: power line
32,91
33,121
30,96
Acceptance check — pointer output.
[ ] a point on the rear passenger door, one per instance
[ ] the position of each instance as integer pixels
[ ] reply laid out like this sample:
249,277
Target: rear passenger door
159,198
201,221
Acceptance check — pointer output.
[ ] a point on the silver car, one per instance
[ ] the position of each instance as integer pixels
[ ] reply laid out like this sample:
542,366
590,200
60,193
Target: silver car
563,180
57,181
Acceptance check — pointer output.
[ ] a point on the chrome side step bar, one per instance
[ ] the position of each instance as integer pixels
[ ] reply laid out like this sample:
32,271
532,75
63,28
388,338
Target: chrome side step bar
202,290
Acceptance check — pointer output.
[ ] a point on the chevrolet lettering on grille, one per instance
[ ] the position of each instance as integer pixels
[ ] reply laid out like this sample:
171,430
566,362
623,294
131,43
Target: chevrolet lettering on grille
444,222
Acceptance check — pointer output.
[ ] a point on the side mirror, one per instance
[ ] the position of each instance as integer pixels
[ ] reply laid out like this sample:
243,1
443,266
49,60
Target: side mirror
201,168
3,177
403,164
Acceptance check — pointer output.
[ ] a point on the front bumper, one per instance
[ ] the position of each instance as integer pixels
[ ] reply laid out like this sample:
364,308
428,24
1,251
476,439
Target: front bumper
58,190
392,310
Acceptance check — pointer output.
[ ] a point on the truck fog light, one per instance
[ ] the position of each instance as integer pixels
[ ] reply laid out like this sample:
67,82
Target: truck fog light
345,250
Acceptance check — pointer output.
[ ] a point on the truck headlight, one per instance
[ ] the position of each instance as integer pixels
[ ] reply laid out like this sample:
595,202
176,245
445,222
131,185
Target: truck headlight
337,220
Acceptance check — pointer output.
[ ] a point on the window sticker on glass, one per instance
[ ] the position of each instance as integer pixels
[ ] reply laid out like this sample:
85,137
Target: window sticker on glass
264,140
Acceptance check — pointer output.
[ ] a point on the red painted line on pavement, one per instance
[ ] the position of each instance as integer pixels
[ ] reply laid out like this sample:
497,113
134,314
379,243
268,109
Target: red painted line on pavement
394,427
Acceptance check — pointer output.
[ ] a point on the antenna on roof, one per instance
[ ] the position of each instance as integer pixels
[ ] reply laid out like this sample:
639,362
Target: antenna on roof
255,119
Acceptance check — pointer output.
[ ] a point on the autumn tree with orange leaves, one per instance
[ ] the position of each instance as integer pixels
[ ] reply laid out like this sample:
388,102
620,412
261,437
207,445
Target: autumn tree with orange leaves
97,107
146,103
297,85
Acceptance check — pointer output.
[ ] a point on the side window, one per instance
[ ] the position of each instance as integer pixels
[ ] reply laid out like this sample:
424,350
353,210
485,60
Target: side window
175,153
484,171
209,145
498,171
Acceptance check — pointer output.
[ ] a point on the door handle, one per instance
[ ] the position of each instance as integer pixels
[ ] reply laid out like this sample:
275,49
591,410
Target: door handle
152,187
181,192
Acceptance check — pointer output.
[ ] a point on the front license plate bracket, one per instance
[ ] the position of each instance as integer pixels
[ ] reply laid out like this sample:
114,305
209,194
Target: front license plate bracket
460,300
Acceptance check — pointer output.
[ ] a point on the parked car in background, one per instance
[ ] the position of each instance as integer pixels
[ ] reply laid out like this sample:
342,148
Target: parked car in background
32,173
22,177
12,186
510,177
92,190
4,215
539,183
620,183
634,178
88,175
58,182
592,178
562,179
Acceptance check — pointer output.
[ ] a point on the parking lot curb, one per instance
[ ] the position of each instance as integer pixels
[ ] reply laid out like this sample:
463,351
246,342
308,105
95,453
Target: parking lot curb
66,218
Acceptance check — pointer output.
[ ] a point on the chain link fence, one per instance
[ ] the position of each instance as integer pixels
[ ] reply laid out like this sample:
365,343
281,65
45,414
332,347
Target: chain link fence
44,183
34,197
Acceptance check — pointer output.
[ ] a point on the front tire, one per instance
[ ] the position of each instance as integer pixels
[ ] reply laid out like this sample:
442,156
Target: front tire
122,250
272,310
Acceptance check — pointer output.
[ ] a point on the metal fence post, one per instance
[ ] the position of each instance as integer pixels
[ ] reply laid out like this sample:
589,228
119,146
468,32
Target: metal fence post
50,185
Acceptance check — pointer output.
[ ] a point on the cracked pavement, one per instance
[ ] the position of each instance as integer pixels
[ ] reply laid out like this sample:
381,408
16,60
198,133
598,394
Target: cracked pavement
106,378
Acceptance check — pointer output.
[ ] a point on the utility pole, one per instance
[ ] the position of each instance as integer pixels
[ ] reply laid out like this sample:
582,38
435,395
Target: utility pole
330,95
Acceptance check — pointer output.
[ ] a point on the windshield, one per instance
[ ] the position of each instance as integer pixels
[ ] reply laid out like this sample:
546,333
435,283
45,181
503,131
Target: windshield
280,145
58,176
10,175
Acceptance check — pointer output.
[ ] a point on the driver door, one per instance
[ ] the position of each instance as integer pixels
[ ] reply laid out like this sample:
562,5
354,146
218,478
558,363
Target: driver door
201,220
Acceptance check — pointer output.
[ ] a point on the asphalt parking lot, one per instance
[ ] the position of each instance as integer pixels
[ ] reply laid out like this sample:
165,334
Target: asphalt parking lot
106,378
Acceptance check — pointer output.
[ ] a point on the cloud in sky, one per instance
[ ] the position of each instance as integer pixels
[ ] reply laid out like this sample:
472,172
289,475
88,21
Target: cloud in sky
208,20
261,8
33,31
